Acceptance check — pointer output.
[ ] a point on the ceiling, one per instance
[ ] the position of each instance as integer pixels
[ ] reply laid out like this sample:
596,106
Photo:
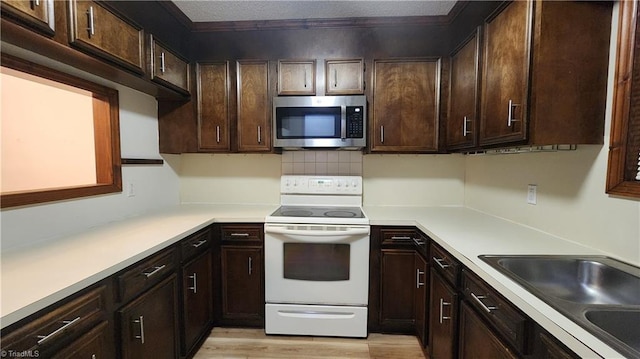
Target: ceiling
255,10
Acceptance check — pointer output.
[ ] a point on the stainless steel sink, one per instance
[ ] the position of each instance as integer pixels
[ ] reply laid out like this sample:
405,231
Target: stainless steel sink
599,293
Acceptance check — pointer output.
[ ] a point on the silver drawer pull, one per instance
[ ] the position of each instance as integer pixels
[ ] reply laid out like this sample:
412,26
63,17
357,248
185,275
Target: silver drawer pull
418,241
199,243
510,118
91,28
442,305
239,234
162,68
140,321
154,271
217,134
440,261
418,282
250,266
401,238
381,134
194,288
259,134
478,299
67,324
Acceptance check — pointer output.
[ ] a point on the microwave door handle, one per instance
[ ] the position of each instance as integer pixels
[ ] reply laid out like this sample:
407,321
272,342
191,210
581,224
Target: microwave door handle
343,123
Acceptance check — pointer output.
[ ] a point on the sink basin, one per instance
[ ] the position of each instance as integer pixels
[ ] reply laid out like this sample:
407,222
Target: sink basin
621,324
582,280
599,293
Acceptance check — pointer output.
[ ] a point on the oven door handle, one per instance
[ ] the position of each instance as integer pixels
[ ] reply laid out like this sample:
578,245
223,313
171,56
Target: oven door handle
317,233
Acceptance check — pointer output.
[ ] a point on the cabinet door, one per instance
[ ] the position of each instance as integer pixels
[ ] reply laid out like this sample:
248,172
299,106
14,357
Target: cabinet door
213,106
94,28
242,285
462,122
148,324
503,113
254,110
477,340
397,287
167,68
344,77
296,77
197,303
406,105
421,298
36,13
443,319
92,345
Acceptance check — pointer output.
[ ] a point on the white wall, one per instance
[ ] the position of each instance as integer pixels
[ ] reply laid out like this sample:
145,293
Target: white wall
155,186
572,203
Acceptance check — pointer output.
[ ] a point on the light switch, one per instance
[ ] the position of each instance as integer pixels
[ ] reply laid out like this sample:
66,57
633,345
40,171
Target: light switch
532,197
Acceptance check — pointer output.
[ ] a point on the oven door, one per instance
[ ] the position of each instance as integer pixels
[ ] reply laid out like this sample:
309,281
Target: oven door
317,264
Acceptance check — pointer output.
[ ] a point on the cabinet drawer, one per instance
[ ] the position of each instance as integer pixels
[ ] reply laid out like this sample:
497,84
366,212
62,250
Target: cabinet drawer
398,237
508,321
168,68
196,243
242,233
97,29
145,273
37,14
445,264
57,327
91,345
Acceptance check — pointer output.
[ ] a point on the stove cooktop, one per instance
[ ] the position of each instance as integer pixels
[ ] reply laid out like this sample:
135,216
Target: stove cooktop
318,212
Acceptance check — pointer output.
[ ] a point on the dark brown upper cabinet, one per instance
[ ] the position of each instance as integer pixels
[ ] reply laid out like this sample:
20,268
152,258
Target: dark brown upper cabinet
168,68
406,103
38,14
254,106
544,76
624,148
212,81
344,77
296,77
99,30
462,121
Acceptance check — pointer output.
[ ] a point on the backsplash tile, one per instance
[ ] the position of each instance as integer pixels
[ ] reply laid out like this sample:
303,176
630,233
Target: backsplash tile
311,162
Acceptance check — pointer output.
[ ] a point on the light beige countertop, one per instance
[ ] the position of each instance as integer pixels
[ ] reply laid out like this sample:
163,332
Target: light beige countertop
41,274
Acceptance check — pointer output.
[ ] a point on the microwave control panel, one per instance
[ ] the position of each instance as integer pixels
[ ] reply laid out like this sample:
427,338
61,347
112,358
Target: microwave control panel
355,122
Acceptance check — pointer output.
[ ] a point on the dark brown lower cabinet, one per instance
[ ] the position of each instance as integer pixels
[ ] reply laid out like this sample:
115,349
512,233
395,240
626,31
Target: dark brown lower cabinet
397,283
477,340
443,319
242,285
91,345
148,324
421,298
197,301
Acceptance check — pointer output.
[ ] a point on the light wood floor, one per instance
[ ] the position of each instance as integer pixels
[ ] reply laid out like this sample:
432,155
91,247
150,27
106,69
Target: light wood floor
253,343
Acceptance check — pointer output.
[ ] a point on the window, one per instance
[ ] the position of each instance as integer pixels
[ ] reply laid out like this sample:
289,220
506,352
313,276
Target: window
60,135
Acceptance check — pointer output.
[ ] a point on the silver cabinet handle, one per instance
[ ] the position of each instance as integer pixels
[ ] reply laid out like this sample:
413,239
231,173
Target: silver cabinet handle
93,356
381,134
418,241
478,299
194,288
162,68
439,262
510,118
36,2
91,28
199,243
465,128
442,304
418,274
259,134
335,78
140,321
218,134
239,234
250,265
401,238
155,270
305,78
67,324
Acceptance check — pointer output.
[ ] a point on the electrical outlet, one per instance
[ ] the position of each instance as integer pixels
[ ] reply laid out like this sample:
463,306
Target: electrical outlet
131,191
532,195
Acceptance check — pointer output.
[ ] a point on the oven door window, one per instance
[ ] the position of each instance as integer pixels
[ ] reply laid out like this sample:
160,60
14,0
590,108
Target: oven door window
316,261
308,122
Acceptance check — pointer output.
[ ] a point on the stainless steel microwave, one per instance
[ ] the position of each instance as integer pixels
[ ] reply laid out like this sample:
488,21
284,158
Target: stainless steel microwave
320,122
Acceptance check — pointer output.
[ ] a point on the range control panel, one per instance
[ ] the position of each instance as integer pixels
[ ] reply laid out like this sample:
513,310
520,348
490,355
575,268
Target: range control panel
351,185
